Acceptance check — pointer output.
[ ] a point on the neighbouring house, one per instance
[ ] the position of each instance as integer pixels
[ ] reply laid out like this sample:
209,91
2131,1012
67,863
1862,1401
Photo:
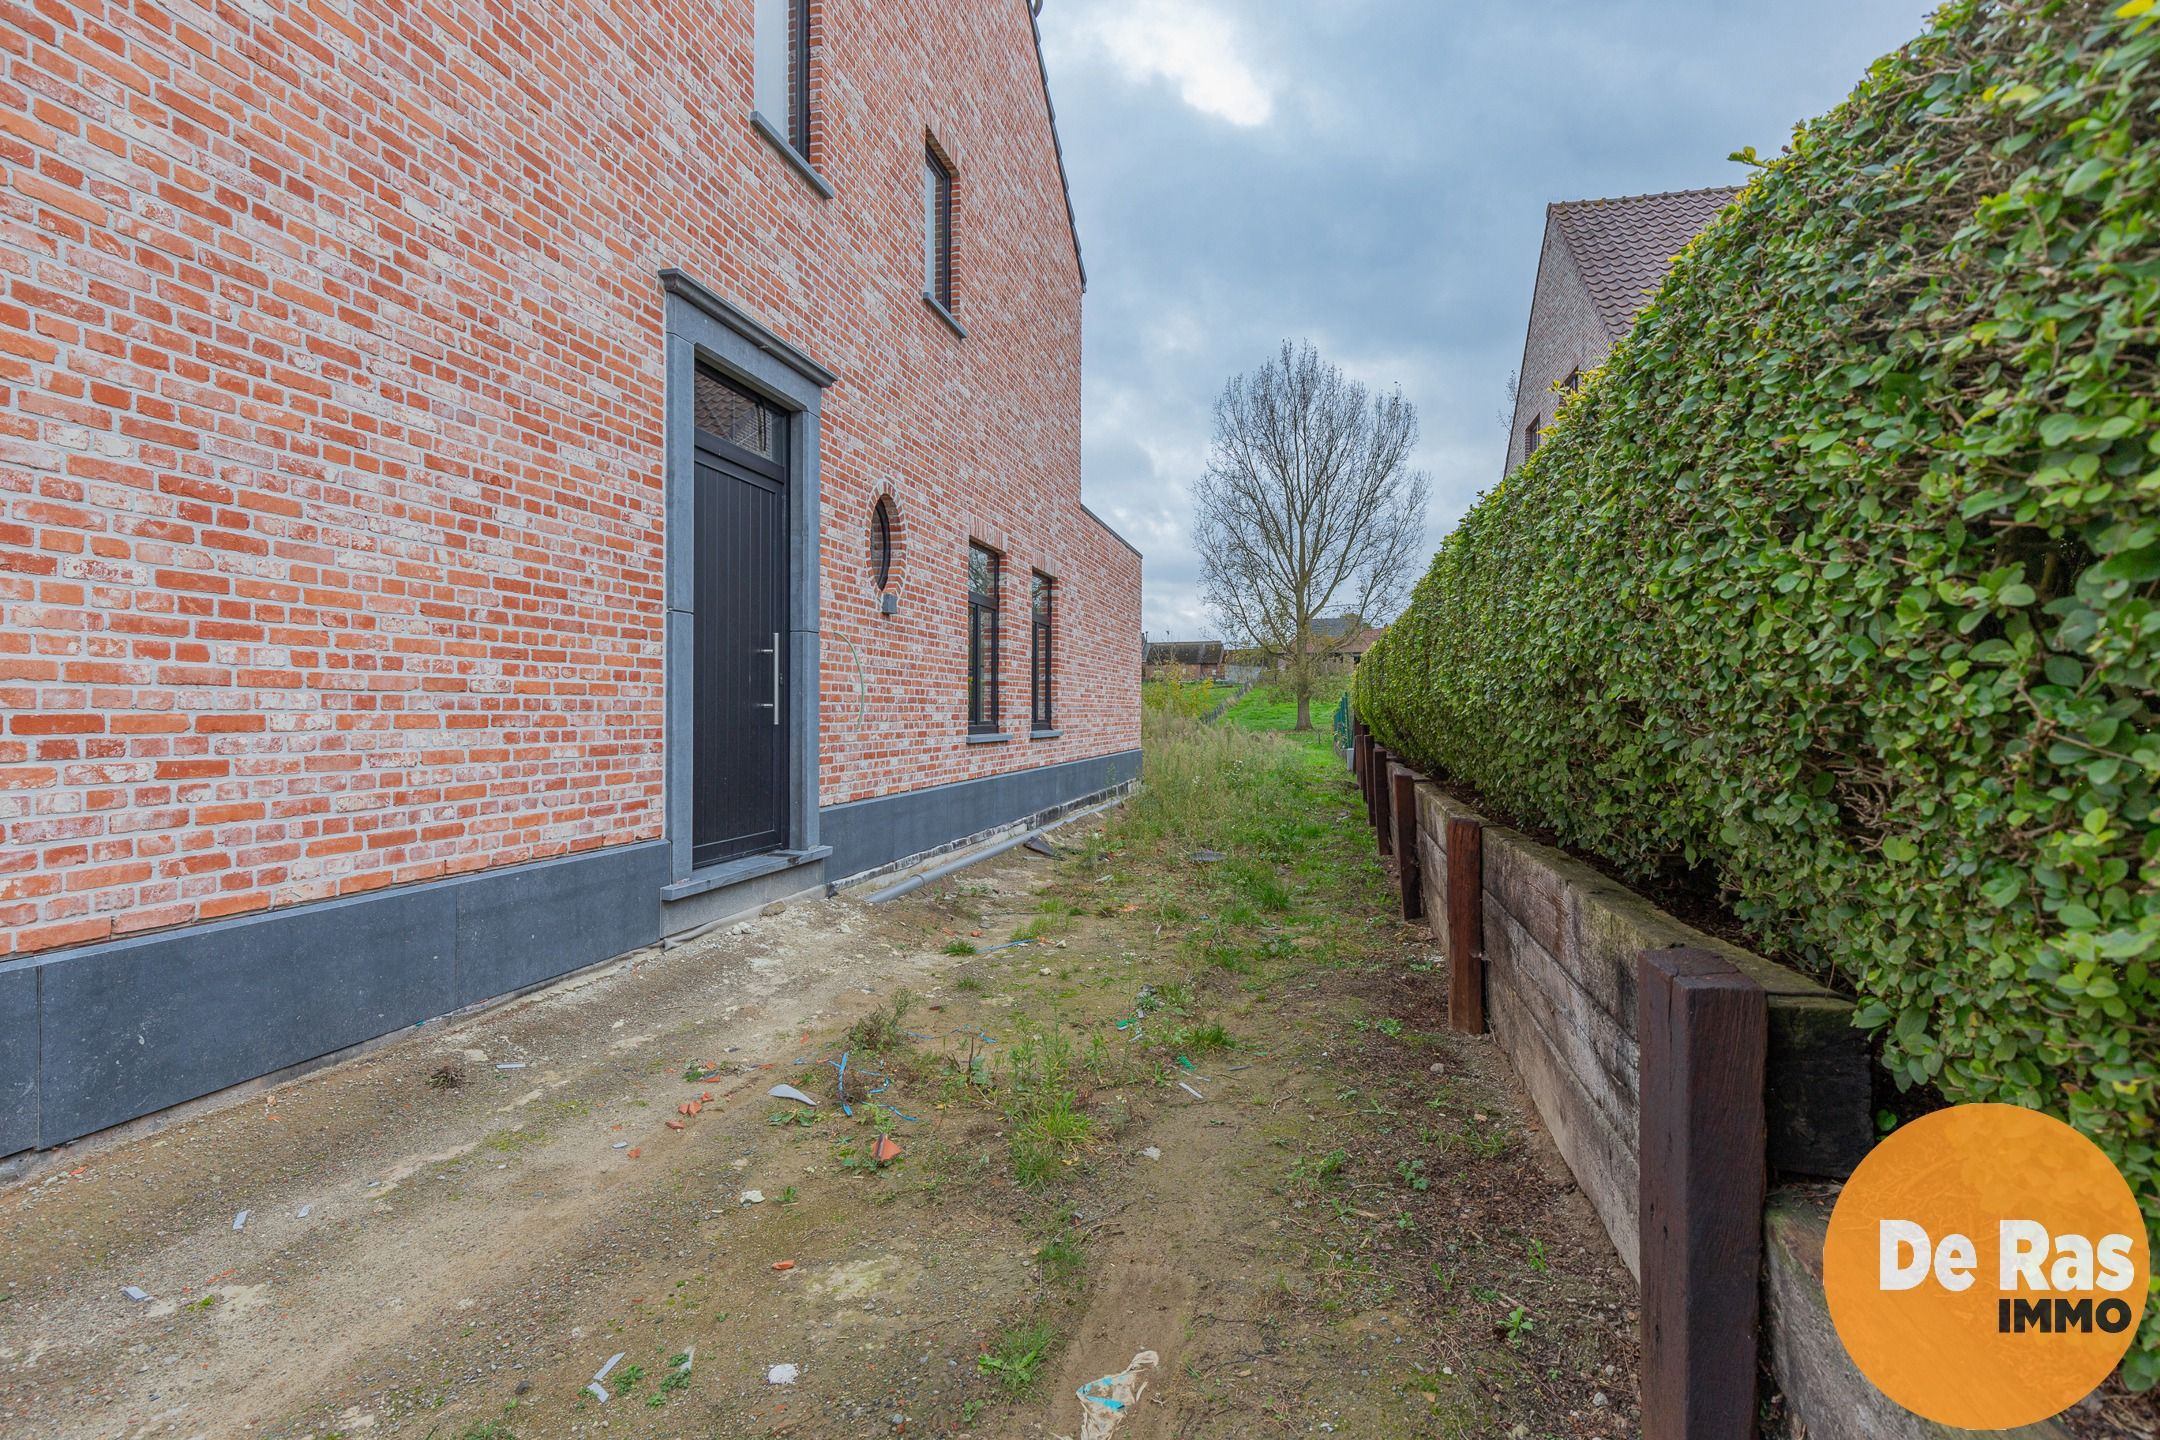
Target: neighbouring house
1337,642
1601,262
485,488
1186,659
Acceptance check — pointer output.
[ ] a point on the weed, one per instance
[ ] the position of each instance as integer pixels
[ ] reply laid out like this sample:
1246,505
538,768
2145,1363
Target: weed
1390,1027
626,1379
966,984
1537,1256
1320,1170
883,1029
970,1409
449,1075
787,1196
1063,1258
207,1302
1412,1173
1017,1358
1200,1039
1517,1325
963,947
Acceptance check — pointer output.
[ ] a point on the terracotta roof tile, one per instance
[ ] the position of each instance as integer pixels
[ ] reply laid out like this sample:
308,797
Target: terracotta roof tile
1624,246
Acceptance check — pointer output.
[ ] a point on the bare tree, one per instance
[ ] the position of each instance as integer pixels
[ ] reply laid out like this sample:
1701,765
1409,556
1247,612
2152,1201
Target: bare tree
1309,503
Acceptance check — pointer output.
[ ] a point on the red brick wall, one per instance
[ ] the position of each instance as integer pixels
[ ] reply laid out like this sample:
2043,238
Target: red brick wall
331,405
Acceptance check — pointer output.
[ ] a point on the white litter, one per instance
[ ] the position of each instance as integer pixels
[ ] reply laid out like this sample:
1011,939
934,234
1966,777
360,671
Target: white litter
622,1144
782,1374
753,1197
789,1092
689,1358
1152,1153
302,1212
239,1221
598,1389
511,1065
613,1361
1105,1402
134,1293
1190,1091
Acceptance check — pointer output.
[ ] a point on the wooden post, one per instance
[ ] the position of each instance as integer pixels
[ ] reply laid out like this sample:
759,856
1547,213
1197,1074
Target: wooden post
1404,805
1466,925
1383,801
1702,1032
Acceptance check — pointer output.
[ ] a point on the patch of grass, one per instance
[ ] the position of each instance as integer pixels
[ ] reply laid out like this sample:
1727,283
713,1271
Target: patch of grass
1200,1039
515,1139
963,947
966,984
1063,1258
625,1380
1017,1358
884,1028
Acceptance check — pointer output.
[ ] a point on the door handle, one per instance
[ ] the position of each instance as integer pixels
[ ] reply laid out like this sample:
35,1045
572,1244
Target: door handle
774,703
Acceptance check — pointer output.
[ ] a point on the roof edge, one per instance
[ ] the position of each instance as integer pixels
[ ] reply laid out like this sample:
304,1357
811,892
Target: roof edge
1042,67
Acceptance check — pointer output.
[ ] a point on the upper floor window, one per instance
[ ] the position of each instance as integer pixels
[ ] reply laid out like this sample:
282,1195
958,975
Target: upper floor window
781,51
982,640
1530,438
937,228
1040,714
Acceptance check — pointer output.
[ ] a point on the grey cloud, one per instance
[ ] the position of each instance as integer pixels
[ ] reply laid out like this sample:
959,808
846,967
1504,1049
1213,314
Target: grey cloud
1391,206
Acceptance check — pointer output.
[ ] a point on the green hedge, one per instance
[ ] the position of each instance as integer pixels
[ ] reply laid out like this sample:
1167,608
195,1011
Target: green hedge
1837,582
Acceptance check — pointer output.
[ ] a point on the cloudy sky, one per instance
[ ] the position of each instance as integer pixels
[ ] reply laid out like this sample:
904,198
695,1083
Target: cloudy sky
1373,175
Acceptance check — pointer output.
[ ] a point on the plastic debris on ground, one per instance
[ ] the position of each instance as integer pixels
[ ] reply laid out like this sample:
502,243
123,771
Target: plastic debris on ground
1190,1091
511,1065
302,1212
1152,1153
239,1221
1041,846
782,1374
884,1149
1209,857
753,1197
1143,1003
1106,1402
789,1092
135,1293
783,1264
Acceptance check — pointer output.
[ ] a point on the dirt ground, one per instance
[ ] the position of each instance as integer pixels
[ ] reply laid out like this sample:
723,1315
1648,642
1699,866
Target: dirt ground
1323,1213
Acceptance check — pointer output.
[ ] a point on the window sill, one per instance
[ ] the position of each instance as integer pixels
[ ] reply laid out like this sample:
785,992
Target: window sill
944,314
987,737
1051,734
789,153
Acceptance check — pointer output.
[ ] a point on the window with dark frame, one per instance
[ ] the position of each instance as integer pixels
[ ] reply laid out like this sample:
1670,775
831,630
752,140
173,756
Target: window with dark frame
983,565
1041,715
937,228
1530,438
780,50
881,544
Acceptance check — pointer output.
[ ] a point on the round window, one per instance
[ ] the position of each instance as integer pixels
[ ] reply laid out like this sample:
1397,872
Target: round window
881,543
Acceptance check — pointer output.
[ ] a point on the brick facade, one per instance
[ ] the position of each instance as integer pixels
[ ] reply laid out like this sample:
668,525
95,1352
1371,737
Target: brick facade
332,427
1564,335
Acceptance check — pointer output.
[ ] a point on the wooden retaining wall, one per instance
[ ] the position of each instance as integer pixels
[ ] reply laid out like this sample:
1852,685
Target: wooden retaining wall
1755,1074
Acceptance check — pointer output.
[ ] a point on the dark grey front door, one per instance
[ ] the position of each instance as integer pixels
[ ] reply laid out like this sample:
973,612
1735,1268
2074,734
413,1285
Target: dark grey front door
740,728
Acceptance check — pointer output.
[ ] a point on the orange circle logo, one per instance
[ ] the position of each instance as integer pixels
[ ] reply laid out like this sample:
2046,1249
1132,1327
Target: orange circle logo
1986,1266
